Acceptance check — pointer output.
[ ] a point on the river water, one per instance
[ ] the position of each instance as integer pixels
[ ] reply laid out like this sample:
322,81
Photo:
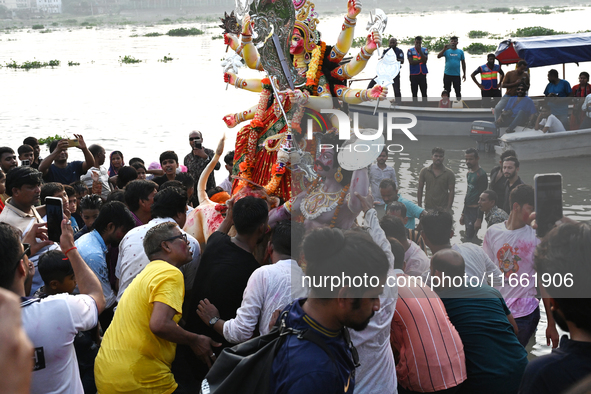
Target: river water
148,107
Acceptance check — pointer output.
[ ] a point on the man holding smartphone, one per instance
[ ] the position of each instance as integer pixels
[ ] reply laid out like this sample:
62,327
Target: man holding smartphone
55,167
197,160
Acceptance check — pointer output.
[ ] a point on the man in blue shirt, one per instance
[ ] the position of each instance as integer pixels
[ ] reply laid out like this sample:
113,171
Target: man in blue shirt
55,167
389,192
519,111
111,225
453,58
302,366
558,88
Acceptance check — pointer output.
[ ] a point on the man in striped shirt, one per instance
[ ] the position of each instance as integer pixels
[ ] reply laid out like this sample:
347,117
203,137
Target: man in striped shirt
428,350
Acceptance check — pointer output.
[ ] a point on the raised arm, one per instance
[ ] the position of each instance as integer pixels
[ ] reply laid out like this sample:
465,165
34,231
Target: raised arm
87,281
345,38
48,161
88,157
360,186
357,65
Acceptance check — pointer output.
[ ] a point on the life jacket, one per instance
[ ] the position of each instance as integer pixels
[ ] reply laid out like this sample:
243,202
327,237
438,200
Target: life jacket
488,77
420,68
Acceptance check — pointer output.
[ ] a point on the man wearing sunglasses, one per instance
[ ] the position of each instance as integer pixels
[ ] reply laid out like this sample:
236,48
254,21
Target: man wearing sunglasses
145,324
519,111
52,323
197,160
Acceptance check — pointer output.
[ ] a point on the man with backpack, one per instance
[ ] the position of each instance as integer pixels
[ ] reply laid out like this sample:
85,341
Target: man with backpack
327,363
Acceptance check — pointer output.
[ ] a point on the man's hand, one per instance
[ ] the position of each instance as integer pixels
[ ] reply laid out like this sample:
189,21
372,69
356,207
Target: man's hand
366,201
207,311
67,237
202,347
353,8
274,318
462,220
61,146
477,224
39,230
552,336
464,78
81,142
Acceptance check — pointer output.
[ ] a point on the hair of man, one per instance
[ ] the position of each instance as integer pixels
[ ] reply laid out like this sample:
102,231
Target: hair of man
331,252
54,265
114,212
249,213
136,190
49,190
437,226
20,176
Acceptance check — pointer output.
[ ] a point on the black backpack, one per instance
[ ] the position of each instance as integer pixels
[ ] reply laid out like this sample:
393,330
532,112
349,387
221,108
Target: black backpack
246,368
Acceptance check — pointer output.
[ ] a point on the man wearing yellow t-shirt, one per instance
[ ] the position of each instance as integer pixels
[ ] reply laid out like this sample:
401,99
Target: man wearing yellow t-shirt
140,344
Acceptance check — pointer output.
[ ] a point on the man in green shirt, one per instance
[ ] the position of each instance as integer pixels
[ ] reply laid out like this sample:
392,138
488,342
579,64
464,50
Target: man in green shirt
440,182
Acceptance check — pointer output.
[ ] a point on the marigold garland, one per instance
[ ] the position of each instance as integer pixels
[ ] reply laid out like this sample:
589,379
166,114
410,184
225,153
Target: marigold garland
315,68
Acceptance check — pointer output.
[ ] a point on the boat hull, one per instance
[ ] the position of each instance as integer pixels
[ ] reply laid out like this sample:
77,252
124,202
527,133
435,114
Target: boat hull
431,121
533,144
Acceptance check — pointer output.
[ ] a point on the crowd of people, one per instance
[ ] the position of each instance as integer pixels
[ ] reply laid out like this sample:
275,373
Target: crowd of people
128,301
512,109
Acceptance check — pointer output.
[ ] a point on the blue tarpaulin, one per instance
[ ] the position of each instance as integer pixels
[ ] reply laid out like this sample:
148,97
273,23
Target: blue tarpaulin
546,50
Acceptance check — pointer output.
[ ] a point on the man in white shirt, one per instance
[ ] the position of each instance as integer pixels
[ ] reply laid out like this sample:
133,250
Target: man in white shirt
377,173
227,182
270,288
52,323
98,152
511,245
548,122
416,260
169,205
437,231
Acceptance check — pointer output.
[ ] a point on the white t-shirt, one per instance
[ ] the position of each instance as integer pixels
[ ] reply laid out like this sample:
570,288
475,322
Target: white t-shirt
416,260
478,263
270,287
52,324
132,257
513,251
554,125
103,178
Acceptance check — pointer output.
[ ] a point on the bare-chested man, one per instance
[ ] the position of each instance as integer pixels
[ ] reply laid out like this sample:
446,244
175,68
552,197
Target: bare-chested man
510,82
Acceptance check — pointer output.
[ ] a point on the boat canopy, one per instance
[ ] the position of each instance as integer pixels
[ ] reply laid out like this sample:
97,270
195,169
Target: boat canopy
546,50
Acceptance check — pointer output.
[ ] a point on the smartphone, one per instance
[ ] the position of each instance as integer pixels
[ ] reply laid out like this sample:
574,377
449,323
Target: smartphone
55,215
73,143
548,196
25,163
197,145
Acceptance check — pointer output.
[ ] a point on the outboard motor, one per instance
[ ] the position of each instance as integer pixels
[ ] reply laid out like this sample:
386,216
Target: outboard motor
486,134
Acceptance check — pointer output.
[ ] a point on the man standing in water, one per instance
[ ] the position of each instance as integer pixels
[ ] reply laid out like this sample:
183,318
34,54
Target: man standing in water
477,182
